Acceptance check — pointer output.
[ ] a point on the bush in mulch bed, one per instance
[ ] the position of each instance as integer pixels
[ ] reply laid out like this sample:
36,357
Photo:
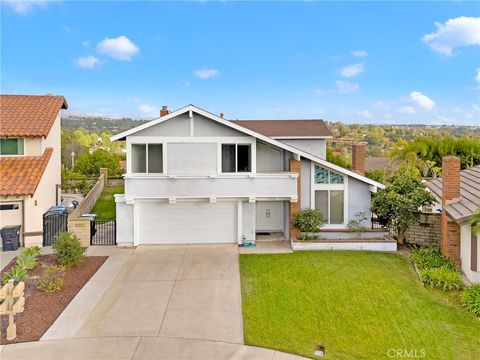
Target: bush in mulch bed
42,309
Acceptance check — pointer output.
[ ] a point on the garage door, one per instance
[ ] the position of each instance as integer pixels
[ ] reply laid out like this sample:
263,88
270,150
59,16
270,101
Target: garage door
11,215
188,223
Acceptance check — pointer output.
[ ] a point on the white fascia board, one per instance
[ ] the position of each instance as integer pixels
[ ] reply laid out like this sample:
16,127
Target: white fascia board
240,128
301,137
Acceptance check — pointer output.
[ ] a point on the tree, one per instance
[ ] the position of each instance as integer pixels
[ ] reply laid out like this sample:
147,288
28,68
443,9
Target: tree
90,164
398,205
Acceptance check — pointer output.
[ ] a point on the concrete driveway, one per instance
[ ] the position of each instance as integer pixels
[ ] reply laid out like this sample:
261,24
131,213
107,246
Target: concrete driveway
184,291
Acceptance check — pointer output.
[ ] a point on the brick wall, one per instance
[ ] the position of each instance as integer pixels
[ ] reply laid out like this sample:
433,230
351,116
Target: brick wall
450,231
358,158
427,231
296,167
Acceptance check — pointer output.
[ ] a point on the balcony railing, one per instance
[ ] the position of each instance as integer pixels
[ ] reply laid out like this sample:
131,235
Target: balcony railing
259,185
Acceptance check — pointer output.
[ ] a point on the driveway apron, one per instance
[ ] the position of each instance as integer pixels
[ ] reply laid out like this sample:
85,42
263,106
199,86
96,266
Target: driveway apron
181,291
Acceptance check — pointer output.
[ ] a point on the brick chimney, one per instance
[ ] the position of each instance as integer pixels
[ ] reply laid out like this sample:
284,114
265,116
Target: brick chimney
164,111
451,179
450,230
358,158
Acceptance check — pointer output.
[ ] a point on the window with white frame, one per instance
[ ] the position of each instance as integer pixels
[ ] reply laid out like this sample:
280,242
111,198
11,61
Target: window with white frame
329,195
11,146
147,158
236,158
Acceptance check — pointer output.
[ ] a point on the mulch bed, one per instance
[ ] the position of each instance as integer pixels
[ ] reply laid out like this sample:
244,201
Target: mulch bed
42,309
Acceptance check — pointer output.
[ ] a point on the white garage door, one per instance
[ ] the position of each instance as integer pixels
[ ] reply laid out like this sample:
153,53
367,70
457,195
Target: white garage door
11,214
188,223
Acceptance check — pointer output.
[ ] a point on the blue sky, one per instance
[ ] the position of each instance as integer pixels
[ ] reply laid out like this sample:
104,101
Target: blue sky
369,62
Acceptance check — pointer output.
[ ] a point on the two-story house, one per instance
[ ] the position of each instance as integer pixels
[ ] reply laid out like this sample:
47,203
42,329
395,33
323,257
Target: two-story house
195,177
30,165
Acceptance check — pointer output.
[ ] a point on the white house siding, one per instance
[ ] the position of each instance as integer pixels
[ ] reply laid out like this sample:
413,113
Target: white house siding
306,185
33,146
180,126
248,221
359,198
203,127
269,158
316,147
191,158
124,217
465,253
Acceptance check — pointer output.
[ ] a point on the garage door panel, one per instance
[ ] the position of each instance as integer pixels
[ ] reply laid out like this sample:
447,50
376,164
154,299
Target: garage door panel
188,223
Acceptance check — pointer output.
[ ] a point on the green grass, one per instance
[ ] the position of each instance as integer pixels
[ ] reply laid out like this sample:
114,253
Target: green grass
356,304
105,205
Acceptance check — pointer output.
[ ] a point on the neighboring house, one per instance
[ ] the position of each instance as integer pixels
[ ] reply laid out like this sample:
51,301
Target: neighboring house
194,177
458,193
29,161
383,163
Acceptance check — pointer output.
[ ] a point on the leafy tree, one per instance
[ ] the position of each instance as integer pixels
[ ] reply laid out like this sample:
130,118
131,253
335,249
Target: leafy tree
378,175
337,159
90,164
398,205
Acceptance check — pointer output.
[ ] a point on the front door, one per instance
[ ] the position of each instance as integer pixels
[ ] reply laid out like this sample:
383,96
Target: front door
269,216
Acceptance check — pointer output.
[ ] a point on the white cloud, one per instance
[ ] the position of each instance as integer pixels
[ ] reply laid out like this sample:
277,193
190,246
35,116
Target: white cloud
359,53
477,76
444,119
365,114
206,73
352,70
25,7
408,110
86,44
319,92
421,100
120,48
454,33
346,87
87,62
148,110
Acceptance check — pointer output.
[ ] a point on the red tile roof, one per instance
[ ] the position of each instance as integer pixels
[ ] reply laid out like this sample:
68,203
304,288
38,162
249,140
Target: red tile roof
29,115
287,128
21,174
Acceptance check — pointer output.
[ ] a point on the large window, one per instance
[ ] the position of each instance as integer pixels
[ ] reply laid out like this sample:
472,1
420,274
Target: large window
11,146
329,195
147,158
236,158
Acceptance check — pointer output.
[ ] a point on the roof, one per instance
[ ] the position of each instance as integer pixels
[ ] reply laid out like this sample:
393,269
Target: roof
382,163
469,201
287,128
191,108
21,174
29,115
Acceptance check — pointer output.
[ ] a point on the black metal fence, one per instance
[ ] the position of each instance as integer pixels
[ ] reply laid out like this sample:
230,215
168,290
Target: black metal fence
53,225
377,225
104,232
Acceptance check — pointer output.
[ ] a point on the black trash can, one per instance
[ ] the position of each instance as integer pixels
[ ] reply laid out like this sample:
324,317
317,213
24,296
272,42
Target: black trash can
10,238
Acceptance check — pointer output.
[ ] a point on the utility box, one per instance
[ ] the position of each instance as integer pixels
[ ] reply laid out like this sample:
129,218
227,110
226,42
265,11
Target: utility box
10,238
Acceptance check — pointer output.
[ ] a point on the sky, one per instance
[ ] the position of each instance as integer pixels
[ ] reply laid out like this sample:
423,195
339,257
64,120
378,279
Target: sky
356,62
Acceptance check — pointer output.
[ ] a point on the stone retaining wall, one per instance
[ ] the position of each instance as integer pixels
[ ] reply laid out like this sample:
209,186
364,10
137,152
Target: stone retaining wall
426,232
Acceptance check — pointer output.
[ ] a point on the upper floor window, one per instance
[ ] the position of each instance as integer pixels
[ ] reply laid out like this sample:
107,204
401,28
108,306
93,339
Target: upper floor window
236,158
324,176
11,146
147,158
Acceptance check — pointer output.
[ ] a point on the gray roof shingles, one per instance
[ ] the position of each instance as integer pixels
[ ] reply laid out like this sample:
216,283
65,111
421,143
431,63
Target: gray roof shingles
469,201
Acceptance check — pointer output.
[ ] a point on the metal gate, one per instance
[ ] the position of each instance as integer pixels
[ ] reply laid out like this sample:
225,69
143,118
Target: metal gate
103,232
53,225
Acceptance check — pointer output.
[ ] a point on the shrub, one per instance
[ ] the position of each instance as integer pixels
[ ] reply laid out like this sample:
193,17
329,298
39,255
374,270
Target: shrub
17,273
442,277
471,299
68,249
52,278
309,220
358,223
34,250
429,257
27,261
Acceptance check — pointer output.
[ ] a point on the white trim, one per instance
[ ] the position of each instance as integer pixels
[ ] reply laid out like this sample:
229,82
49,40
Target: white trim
239,222
301,137
240,128
190,115
240,175
137,199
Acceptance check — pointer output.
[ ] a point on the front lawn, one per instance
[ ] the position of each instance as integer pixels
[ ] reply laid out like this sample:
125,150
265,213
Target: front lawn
358,305
105,205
